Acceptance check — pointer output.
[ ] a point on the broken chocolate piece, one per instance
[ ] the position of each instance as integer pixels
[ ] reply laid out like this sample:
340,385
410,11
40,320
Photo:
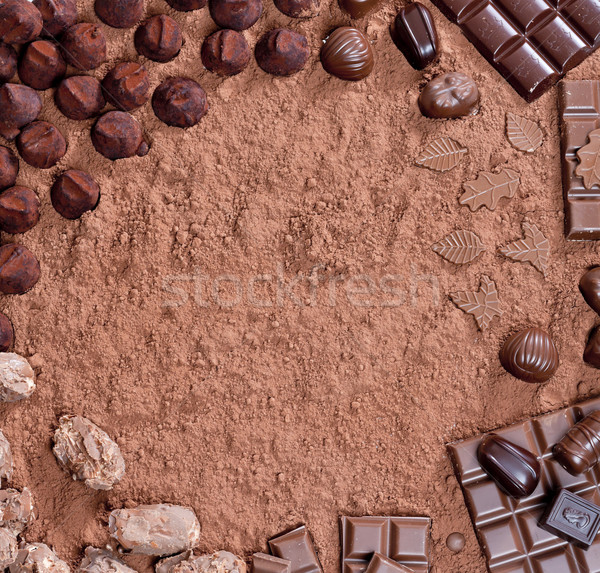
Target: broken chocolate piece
17,379
102,561
381,564
38,558
8,548
297,546
264,563
6,459
16,509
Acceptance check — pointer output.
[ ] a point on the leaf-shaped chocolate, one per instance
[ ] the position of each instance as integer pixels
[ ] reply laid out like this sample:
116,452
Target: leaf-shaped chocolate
483,304
523,134
533,249
441,155
459,247
489,188
589,160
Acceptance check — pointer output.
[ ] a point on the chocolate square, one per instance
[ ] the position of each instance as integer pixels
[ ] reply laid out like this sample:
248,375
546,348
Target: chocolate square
264,563
297,546
382,564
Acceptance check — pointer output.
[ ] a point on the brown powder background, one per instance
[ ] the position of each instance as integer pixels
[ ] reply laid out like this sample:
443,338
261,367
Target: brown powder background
265,417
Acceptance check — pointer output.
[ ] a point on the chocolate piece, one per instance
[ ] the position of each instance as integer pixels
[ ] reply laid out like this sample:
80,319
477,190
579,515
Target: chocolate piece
8,62
20,22
225,52
415,35
591,355
455,542
297,547
489,188
102,561
589,157
127,86
460,247
7,334
530,355
282,52
186,5
347,54
381,564
442,154
40,558
117,135
263,563
483,305
19,106
572,518
9,168
16,509
73,193
298,8
522,133
450,95
84,46
41,65
161,529
179,102
589,286
235,14
19,269
402,539
19,210
532,45
58,15
579,450
8,547
218,562
358,8
6,459
179,563
120,13
533,249
80,97
515,470
17,379
159,38
41,144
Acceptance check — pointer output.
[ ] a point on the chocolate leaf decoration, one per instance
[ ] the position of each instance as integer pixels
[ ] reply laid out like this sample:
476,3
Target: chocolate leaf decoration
533,249
459,247
589,160
489,188
483,304
441,155
523,134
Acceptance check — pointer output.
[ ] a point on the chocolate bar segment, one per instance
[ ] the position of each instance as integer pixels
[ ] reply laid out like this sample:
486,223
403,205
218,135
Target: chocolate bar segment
382,564
264,563
297,547
532,43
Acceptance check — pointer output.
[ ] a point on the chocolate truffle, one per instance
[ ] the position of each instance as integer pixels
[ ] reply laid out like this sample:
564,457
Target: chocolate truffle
41,65
41,144
179,102
73,193
84,46
225,52
347,54
159,38
186,5
578,451
455,542
415,35
589,285
117,135
282,52
8,62
235,14
19,105
58,15
20,22
7,333
19,210
120,13
19,269
591,355
298,8
80,97
449,96
9,168
127,86
358,8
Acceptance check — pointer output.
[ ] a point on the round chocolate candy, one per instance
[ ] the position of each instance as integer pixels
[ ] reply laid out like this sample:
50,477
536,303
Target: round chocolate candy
347,54
7,333
415,35
80,97
159,38
41,65
127,86
455,542
589,285
73,193
358,8
19,269
58,15
41,144
120,13
8,62
225,52
186,5
20,22
298,8
530,355
449,96
19,106
19,210
117,135
282,52
84,46
235,14
9,168
179,102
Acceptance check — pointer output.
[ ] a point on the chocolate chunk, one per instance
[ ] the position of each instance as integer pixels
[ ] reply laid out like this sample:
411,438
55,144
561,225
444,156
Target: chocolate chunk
9,168
579,450
589,285
20,22
38,558
117,135
127,86
159,38
297,547
235,14
282,52
73,193
179,102
84,46
530,355
347,54
8,547
263,563
41,145
17,379
186,5
120,13
102,561
450,95
6,459
219,562
591,354
455,542
19,106
298,8
225,52
19,210
80,97
415,35
358,8
515,470
16,509
58,15
381,564
41,65
8,62
7,334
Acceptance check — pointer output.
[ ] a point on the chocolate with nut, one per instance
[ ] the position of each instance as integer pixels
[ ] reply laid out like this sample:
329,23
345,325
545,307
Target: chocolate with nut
225,52
41,144
41,65
19,106
117,135
159,38
19,210
179,102
80,97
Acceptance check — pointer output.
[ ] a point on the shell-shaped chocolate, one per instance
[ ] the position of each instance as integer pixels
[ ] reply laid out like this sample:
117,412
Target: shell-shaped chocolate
530,355
347,54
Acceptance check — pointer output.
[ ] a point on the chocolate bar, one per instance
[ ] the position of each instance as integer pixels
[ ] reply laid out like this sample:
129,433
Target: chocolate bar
532,43
381,564
508,529
297,547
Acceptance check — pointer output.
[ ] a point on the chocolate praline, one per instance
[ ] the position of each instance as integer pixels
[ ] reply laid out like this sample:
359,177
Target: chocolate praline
8,62
358,8
159,38
589,285
347,54
9,168
298,8
19,210
74,192
186,5
117,135
41,144
41,65
449,96
235,14
19,106
127,86
225,52
80,97
7,333
58,15
19,269
591,355
282,52
20,22
414,33
179,102
120,13
84,46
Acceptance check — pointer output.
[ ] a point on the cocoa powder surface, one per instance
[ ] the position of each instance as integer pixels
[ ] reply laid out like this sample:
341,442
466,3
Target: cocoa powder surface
279,409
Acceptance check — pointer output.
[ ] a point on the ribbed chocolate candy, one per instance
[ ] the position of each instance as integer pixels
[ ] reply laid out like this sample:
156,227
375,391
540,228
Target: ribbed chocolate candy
347,54
415,35
589,285
579,450
530,355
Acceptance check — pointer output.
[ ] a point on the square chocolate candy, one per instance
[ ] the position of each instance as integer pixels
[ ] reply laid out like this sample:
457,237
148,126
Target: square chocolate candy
297,547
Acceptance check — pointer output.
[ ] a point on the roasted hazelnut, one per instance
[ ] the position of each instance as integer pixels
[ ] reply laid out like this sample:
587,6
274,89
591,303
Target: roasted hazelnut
127,86
120,13
225,52
179,102
282,52
80,97
41,65
235,14
186,5
7,333
117,135
19,269
19,105
41,144
298,8
8,62
19,210
58,15
20,22
159,38
74,193
84,46
9,168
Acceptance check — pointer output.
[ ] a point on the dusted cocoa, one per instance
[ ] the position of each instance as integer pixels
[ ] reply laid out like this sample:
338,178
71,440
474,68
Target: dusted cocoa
8,62
20,22
9,168
179,102
41,144
19,210
19,105
120,13
19,269
80,97
225,52
58,15
159,38
117,135
84,46
282,52
73,193
127,86
41,65
235,14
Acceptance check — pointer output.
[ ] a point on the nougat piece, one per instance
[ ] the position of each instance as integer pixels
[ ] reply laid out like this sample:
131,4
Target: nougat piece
38,558
16,509
102,561
6,459
9,547
17,379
